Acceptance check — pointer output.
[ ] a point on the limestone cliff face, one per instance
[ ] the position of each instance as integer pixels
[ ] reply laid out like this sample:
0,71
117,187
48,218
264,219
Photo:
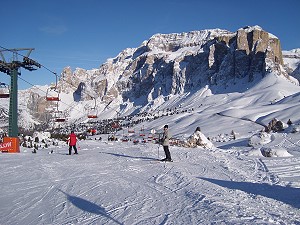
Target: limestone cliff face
169,64
250,51
175,63
81,83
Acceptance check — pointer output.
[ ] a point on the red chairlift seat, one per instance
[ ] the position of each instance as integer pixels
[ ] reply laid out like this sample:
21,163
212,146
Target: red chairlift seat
4,95
52,98
92,116
60,119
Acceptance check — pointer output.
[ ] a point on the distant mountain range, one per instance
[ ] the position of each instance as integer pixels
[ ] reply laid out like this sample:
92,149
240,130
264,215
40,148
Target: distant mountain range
161,68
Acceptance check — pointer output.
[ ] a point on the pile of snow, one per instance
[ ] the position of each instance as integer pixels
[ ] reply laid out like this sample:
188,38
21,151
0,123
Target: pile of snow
264,144
260,139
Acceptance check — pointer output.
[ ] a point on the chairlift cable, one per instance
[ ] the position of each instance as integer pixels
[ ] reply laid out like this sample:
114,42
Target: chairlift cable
45,92
54,73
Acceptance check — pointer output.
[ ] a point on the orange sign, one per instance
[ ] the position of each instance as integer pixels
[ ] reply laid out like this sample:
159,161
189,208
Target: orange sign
10,144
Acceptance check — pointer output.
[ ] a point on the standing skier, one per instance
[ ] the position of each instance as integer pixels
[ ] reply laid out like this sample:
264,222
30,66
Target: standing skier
72,142
165,143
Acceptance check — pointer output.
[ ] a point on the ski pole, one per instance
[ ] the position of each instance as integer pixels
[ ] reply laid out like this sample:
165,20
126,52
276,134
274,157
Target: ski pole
158,146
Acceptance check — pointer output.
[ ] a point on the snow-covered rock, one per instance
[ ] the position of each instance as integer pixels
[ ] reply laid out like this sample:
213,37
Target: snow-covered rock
198,139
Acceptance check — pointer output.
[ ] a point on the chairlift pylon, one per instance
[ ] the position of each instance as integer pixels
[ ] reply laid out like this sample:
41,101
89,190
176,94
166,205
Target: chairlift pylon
4,90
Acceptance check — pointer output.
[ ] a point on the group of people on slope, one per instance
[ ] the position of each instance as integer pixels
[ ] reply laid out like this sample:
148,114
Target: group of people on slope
196,139
165,141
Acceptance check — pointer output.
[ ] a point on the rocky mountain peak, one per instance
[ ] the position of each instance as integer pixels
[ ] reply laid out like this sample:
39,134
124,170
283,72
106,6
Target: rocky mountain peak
179,62
175,41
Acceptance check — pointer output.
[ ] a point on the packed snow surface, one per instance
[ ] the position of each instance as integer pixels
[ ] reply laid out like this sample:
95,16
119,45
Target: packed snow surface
123,183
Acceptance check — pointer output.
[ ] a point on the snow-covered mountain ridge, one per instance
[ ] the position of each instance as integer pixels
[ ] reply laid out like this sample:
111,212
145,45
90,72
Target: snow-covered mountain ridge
168,67
176,63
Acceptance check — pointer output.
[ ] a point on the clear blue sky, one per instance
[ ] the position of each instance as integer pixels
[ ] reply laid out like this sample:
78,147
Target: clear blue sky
84,33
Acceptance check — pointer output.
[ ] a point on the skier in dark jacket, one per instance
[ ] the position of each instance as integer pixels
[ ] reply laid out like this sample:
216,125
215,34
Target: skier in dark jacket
165,141
72,140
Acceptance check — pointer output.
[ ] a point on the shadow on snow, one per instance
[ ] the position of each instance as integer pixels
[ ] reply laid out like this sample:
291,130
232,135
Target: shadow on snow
129,156
88,206
235,144
287,195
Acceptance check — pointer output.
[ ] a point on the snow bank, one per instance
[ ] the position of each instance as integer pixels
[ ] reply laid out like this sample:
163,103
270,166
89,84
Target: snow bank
270,152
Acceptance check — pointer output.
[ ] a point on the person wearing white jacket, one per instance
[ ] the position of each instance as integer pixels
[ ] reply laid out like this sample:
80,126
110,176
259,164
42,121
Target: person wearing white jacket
165,140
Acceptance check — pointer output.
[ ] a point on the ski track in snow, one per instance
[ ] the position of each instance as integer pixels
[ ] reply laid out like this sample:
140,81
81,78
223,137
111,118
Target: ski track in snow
285,168
119,183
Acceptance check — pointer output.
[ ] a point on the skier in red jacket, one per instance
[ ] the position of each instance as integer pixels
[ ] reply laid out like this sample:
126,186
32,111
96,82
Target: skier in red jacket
72,142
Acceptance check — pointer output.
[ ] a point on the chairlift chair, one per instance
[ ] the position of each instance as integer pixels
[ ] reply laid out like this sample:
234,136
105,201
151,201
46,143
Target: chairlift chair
52,94
4,90
60,116
92,113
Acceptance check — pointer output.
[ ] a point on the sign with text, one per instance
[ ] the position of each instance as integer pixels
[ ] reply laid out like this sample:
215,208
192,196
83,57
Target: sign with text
10,145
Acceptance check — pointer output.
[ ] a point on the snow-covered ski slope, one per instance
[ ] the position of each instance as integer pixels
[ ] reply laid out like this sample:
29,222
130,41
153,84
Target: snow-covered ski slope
122,183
